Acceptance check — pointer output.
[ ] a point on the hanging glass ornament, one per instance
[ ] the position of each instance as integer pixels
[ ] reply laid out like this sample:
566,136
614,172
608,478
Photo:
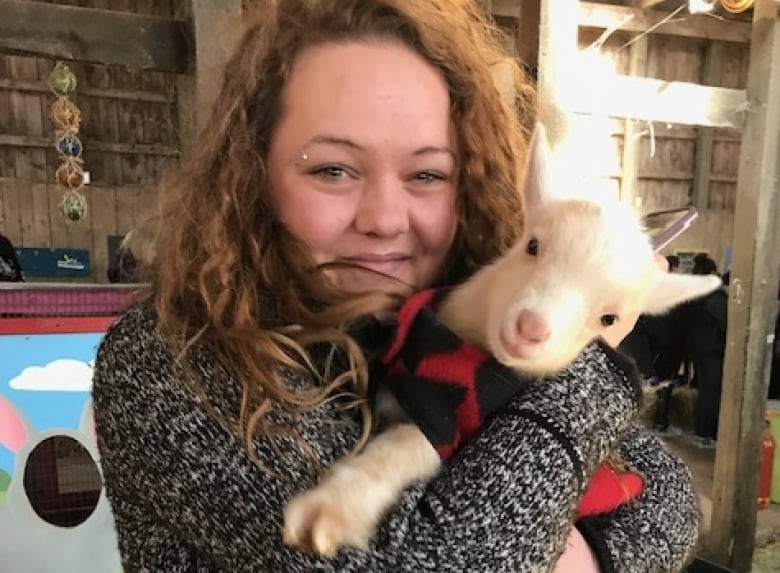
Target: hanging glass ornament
70,175
65,115
69,145
74,206
61,80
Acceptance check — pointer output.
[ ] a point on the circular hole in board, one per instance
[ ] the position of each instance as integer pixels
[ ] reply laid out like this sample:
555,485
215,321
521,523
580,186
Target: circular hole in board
62,481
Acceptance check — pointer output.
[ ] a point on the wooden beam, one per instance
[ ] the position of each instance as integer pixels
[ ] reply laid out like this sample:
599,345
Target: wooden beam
705,139
657,100
37,141
92,35
593,15
558,51
13,84
214,24
637,20
646,3
637,67
752,303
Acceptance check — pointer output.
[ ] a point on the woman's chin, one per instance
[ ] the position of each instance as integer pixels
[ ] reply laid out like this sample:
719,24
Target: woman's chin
360,281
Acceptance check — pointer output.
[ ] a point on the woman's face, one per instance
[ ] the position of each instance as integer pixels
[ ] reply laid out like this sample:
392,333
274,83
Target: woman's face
362,165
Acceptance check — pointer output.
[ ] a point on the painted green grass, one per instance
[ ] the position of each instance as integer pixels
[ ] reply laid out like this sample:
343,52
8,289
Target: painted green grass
5,482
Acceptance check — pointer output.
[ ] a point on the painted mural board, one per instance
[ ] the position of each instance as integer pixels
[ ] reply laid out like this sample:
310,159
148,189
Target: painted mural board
45,383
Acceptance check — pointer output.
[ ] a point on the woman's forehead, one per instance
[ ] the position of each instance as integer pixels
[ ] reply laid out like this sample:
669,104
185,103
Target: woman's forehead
373,92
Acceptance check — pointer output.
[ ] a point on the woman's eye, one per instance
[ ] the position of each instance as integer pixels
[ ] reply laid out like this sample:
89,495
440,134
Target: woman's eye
331,172
533,247
428,177
608,319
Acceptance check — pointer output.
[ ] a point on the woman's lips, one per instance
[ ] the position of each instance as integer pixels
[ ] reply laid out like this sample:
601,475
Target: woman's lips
385,264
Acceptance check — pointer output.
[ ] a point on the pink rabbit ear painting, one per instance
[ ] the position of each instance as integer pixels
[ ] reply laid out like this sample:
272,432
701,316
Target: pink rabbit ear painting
54,515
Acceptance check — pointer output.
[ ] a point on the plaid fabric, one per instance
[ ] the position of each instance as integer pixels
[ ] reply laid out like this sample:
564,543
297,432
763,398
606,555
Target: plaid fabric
449,388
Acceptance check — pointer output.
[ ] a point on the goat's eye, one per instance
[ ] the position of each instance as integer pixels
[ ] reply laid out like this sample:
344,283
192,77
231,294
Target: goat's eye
533,247
608,319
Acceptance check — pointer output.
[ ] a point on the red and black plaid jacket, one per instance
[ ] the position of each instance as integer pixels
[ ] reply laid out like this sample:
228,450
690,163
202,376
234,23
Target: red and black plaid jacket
449,388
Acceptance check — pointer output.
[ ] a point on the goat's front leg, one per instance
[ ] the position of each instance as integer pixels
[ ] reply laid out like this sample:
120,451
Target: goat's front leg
345,508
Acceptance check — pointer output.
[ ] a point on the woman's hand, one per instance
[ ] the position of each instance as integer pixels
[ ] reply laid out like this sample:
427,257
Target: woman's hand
578,557
615,334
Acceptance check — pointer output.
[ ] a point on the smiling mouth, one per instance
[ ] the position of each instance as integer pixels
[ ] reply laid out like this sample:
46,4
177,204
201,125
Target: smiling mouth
385,265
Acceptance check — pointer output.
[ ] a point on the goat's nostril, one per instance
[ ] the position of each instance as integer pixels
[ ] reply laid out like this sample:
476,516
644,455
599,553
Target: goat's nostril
532,327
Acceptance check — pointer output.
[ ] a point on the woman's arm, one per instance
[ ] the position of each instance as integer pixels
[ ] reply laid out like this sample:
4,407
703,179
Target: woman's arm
658,532
186,495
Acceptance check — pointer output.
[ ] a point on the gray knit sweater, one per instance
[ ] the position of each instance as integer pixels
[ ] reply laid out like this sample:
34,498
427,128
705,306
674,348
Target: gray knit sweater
186,496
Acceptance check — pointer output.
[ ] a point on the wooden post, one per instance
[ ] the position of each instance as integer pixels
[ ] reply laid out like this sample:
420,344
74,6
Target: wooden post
527,36
637,66
752,306
214,42
702,168
558,54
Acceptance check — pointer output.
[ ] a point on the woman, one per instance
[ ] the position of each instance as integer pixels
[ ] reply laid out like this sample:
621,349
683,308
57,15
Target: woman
357,146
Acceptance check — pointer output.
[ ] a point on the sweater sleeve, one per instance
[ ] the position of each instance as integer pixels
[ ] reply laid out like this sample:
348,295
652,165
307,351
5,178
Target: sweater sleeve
657,533
186,496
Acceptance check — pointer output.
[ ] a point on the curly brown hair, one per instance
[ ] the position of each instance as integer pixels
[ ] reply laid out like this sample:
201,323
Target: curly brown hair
227,272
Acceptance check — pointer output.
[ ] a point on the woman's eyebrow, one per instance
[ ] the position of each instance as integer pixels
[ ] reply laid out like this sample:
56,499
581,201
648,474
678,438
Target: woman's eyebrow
327,139
434,149
334,140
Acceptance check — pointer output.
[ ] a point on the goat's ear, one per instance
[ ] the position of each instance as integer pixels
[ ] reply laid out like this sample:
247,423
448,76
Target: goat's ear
538,185
671,289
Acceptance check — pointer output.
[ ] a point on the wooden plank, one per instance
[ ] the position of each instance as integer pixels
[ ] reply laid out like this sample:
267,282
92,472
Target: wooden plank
12,222
706,137
37,123
637,67
58,225
752,303
632,19
103,221
107,146
92,35
655,100
127,131
41,225
26,213
108,127
14,84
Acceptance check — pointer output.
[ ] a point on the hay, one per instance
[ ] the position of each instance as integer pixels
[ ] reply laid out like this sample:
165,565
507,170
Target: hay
680,408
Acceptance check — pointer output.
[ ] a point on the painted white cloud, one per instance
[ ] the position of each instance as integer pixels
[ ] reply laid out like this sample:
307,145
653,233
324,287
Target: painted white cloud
63,375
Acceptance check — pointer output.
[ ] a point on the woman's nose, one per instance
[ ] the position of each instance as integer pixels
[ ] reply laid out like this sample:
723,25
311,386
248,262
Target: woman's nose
383,209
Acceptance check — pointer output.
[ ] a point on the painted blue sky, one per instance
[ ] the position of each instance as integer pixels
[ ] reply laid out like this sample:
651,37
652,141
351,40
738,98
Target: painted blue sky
43,409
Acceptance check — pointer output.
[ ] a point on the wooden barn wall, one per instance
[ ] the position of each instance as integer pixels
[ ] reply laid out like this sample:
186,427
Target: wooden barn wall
666,161
667,152
130,139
